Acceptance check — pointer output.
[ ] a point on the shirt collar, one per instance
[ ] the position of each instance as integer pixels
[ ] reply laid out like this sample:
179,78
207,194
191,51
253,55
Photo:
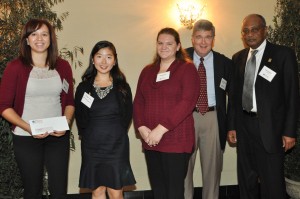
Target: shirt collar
196,56
261,47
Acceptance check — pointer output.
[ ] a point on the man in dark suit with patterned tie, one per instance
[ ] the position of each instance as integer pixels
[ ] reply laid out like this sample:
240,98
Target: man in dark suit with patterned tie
264,124
210,111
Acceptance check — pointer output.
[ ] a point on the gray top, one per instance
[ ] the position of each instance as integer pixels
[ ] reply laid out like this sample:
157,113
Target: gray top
42,98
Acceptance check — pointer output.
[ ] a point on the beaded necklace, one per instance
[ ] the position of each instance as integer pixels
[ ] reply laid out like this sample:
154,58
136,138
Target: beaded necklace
102,92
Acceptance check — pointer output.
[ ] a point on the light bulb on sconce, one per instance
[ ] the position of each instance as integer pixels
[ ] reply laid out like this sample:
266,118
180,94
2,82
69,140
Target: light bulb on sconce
189,12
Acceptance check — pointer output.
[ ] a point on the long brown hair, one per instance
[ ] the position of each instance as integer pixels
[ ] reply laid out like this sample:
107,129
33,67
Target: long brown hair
181,54
25,50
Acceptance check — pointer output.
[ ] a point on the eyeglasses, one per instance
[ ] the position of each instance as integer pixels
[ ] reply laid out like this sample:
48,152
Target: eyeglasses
254,30
206,39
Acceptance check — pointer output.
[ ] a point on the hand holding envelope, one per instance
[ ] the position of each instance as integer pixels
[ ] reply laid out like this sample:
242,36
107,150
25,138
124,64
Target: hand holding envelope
49,125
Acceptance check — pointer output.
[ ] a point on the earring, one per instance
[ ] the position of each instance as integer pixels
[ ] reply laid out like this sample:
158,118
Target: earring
27,42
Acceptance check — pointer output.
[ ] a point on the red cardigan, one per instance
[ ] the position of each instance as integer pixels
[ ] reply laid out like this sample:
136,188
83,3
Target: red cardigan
14,82
169,103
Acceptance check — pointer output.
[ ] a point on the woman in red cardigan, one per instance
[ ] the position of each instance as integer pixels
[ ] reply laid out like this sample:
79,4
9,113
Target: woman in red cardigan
36,85
166,95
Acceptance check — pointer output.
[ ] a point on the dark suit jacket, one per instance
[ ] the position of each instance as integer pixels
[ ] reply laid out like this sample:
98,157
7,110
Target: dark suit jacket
277,101
222,68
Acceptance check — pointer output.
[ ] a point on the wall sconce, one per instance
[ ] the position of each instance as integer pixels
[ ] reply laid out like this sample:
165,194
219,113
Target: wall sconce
189,12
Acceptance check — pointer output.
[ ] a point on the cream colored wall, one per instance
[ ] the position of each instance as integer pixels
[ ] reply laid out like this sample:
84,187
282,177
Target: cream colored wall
132,26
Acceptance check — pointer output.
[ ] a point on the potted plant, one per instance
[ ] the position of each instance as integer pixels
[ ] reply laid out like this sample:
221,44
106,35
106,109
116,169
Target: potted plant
10,180
292,169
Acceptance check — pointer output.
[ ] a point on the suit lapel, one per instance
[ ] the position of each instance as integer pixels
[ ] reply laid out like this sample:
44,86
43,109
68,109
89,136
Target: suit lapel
217,71
266,56
242,63
217,75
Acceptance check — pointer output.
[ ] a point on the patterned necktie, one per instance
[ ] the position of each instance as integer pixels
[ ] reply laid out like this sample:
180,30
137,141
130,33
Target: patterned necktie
248,82
202,103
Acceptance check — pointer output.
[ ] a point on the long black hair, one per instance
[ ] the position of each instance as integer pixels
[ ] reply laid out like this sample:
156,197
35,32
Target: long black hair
119,79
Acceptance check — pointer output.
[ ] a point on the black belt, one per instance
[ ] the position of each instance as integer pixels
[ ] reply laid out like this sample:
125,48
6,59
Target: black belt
210,108
250,113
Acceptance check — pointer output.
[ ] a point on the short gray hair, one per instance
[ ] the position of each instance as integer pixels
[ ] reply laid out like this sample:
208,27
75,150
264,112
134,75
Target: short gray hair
204,24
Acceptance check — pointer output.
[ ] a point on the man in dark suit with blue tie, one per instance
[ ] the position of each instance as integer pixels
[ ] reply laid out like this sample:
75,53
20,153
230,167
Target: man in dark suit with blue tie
210,114
263,111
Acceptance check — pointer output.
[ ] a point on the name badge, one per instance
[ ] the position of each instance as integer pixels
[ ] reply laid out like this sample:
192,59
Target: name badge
267,73
65,86
163,76
223,84
87,100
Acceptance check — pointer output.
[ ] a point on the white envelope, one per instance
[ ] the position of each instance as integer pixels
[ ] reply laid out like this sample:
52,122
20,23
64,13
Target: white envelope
40,126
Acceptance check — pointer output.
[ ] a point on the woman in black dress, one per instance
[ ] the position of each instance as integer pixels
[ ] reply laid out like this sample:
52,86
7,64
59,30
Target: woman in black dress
103,111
